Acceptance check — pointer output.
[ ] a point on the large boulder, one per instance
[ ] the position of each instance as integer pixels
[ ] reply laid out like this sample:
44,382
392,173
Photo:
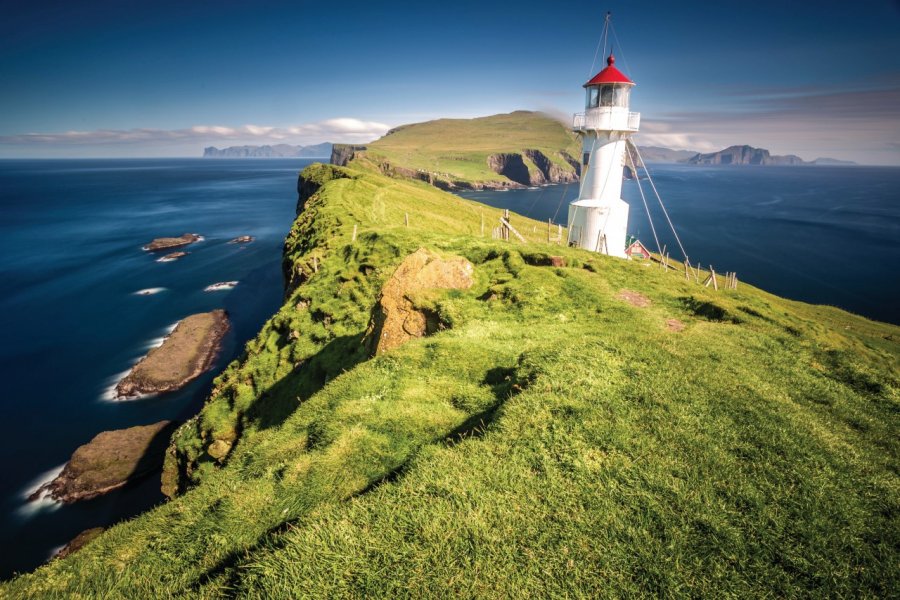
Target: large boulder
186,353
396,319
109,461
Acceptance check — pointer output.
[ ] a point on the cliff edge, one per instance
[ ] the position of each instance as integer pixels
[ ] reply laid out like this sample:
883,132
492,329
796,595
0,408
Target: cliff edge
571,425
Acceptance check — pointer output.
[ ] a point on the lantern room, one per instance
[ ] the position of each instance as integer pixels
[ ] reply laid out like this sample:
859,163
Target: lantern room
610,87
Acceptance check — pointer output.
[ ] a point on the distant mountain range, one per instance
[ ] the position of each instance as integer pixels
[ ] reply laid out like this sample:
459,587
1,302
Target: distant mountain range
733,155
277,151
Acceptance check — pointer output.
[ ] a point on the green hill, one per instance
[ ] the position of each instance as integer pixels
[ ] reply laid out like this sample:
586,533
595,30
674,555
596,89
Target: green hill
515,149
596,428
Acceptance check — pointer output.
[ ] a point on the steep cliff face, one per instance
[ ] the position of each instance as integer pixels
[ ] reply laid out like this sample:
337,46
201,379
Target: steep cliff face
745,155
733,155
512,166
341,154
550,172
532,167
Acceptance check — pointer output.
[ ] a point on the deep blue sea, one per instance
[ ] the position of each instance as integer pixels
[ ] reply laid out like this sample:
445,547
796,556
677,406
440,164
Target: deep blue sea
71,235
826,235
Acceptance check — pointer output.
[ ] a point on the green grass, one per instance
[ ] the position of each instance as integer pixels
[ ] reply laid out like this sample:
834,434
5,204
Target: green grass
458,149
553,441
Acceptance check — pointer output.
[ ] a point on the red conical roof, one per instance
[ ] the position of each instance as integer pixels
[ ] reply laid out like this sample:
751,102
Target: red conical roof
609,75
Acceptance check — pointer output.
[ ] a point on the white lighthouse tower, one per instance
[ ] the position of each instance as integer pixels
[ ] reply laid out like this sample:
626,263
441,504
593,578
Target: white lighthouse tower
598,219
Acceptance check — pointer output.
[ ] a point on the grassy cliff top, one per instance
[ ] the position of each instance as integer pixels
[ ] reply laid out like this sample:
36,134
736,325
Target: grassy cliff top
459,148
601,428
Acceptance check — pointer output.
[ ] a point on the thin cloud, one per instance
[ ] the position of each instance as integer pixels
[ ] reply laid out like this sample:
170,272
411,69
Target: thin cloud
343,129
855,125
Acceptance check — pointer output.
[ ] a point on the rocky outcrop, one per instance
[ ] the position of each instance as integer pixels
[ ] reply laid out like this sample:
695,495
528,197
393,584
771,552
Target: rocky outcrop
549,170
733,155
187,352
341,154
172,242
80,541
109,461
748,155
531,167
510,165
243,239
173,256
396,319
442,181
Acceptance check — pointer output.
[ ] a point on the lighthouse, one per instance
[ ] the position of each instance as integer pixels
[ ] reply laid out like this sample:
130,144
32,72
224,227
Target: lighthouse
598,219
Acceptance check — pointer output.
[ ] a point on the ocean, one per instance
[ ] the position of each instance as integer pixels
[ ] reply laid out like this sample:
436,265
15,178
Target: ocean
71,235
825,235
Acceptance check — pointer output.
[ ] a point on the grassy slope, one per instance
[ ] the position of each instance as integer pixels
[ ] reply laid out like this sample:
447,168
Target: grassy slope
460,147
553,440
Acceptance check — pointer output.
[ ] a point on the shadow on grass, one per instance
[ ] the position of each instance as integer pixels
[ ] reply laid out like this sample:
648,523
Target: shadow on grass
280,400
504,385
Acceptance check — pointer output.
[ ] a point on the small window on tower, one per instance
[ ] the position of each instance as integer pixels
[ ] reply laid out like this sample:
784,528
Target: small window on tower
593,98
606,95
587,158
621,96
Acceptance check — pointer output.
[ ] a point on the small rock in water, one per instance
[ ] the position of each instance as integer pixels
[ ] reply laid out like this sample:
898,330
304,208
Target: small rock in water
109,461
222,285
244,239
187,352
172,242
172,256
80,541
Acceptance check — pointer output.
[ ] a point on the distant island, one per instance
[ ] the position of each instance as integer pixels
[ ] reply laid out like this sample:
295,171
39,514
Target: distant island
732,155
322,150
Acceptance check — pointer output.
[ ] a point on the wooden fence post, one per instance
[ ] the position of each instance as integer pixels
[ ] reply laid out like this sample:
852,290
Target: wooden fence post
354,233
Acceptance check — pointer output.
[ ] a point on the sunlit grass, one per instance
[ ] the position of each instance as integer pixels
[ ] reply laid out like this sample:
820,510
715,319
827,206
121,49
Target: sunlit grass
553,441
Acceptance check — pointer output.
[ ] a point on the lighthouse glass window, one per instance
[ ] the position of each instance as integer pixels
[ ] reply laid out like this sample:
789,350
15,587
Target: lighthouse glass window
608,95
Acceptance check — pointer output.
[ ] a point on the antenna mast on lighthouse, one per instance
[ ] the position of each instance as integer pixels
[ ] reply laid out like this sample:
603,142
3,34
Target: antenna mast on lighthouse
598,219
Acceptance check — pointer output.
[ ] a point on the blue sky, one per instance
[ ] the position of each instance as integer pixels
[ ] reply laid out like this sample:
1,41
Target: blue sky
126,78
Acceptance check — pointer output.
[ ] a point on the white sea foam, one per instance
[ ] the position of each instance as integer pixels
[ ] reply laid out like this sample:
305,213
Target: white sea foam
109,389
149,291
166,259
221,286
44,501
